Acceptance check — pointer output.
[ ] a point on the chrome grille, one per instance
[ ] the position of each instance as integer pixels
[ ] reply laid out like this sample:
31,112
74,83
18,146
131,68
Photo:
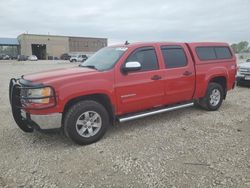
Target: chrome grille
244,70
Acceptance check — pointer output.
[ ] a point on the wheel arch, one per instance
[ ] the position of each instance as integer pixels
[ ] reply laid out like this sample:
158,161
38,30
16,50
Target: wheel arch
222,80
98,97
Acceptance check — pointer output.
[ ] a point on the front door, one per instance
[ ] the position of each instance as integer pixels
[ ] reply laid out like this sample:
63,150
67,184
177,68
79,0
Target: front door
143,89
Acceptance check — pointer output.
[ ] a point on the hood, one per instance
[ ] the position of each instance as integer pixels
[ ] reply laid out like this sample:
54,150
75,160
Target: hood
244,65
51,75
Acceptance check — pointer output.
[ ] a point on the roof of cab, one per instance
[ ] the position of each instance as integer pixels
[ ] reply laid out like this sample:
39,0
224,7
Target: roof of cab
141,44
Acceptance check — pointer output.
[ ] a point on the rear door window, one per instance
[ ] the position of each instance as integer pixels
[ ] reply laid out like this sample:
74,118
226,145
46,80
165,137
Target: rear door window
174,56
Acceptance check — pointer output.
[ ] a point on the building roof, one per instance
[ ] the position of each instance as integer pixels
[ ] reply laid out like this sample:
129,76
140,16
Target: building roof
9,41
41,35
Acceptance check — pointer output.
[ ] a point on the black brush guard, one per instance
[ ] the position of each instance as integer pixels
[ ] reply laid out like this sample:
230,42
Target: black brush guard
25,123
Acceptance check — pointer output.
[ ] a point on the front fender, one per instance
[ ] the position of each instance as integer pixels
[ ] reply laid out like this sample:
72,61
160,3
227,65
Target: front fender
80,88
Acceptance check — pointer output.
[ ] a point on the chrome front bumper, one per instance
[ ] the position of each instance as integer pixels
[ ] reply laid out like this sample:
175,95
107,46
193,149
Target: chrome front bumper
240,77
50,121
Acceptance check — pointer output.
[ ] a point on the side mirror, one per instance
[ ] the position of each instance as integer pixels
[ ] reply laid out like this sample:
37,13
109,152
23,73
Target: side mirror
131,66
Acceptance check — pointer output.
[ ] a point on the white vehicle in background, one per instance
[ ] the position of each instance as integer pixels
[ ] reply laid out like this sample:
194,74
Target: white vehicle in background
243,74
32,58
78,58
6,57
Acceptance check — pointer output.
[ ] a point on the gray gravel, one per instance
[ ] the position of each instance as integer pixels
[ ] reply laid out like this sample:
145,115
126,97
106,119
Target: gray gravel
185,148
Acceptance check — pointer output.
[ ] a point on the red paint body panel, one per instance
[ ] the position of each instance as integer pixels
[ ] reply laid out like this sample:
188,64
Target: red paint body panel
136,91
179,87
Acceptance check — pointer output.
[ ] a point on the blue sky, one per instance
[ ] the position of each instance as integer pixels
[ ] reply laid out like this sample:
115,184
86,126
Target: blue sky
141,20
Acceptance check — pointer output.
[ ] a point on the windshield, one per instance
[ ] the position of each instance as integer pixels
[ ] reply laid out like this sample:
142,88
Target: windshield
105,58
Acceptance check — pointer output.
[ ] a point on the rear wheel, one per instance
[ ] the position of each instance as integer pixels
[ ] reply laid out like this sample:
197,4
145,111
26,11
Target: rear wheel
86,122
214,97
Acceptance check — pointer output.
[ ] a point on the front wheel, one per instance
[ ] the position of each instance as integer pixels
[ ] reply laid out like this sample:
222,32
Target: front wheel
86,122
214,97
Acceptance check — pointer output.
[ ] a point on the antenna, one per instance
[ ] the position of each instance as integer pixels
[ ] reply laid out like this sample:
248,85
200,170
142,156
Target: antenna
126,43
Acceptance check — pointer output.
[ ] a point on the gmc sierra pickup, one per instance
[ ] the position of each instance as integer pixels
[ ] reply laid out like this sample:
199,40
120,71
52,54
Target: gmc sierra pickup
122,83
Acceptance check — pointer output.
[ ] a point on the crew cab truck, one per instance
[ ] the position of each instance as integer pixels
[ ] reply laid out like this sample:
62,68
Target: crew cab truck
122,83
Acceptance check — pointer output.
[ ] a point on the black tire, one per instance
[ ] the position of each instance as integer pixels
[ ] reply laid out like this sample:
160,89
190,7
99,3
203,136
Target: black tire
75,112
206,101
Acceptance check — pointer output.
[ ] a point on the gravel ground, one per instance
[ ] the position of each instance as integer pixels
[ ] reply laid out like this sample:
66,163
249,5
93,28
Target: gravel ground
185,148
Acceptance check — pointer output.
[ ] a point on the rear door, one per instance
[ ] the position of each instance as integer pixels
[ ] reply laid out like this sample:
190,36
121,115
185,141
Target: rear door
179,74
143,89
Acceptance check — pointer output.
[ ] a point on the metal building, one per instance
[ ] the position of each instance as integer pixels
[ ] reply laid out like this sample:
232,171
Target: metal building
51,46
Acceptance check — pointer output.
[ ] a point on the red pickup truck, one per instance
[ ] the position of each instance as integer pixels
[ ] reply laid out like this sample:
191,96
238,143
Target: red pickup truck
122,83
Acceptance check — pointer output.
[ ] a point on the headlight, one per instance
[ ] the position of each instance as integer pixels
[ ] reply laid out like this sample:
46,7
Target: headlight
42,93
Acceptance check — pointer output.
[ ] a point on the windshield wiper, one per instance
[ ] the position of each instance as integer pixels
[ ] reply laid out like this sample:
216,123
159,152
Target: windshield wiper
89,66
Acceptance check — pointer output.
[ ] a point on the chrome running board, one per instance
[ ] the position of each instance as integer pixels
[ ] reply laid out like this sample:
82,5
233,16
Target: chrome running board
150,113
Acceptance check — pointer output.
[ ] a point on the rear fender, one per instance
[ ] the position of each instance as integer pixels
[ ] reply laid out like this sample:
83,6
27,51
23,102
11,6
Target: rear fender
210,75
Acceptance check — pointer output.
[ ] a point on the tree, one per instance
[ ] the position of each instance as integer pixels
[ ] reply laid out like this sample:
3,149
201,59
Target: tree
241,47
235,48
